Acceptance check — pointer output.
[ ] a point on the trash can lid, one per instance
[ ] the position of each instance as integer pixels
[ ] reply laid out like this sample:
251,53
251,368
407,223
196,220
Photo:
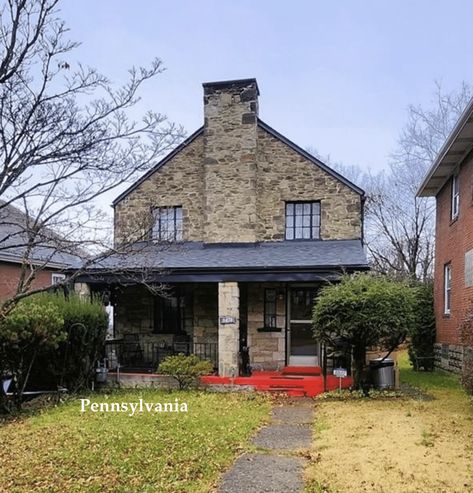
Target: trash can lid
381,363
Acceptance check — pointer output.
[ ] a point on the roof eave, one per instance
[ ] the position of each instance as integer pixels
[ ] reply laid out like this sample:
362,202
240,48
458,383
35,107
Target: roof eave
431,191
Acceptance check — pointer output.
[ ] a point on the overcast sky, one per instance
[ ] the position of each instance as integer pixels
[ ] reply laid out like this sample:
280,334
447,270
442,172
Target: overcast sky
337,76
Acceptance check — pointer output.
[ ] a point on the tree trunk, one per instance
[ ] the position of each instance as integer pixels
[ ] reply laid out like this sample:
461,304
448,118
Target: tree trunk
359,362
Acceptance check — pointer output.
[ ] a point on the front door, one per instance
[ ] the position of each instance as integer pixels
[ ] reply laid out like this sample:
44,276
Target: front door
303,348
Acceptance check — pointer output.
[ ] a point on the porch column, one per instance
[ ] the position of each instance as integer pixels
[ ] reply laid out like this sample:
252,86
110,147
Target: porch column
82,289
228,328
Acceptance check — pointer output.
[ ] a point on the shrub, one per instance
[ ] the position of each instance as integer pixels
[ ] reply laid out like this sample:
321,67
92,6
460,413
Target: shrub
73,363
363,311
33,327
422,333
185,369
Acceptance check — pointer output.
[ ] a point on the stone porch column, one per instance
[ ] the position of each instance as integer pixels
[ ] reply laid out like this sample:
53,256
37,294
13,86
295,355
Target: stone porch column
228,328
82,289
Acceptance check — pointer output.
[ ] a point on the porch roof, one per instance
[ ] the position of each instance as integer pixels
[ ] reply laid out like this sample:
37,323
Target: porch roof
195,261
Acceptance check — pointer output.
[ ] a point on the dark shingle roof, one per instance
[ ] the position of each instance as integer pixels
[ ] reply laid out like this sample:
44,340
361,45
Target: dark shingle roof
49,248
267,255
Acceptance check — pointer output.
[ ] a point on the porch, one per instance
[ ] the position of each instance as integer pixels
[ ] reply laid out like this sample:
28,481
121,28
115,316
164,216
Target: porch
266,325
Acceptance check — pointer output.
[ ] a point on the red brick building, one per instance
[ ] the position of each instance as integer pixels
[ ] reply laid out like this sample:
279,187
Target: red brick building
450,181
46,259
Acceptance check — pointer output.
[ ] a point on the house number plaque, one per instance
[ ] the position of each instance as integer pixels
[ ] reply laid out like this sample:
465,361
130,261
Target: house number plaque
225,320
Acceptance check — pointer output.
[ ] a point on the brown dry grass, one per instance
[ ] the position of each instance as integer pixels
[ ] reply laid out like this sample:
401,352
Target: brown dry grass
395,446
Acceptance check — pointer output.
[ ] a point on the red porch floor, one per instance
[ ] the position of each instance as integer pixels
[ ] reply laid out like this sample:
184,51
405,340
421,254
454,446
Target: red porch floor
292,382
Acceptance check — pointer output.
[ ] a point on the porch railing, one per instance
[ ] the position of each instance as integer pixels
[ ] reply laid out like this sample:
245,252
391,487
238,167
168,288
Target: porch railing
146,356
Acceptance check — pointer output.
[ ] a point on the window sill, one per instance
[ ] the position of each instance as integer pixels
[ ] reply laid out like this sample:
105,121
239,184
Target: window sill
269,329
454,220
446,315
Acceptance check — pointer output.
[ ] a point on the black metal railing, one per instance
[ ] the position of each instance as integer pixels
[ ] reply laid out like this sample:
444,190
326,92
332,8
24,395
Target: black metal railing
140,355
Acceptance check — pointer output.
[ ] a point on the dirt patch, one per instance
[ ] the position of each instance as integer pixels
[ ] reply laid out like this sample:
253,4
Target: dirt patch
398,446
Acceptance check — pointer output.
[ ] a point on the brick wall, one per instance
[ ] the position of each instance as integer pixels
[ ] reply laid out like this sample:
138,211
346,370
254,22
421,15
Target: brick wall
453,240
10,275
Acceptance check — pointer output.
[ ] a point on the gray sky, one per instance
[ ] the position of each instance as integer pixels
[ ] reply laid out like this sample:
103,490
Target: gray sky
337,76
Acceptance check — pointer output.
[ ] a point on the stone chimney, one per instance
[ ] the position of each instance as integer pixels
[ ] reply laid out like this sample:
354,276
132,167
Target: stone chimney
230,126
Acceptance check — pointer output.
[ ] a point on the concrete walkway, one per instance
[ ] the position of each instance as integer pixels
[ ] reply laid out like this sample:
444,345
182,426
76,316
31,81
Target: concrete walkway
278,467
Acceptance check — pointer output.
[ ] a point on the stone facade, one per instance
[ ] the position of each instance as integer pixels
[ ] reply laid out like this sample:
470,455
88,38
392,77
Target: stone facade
449,357
233,179
267,349
178,182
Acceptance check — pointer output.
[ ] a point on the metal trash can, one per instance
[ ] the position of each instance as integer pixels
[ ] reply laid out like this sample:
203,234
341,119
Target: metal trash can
382,373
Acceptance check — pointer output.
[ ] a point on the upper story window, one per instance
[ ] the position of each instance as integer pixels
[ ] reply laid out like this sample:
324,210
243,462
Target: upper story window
167,223
447,286
455,196
302,220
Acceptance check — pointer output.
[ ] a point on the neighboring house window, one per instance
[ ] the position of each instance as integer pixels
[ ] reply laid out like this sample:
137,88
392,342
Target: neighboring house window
57,278
167,224
455,196
270,307
302,220
447,282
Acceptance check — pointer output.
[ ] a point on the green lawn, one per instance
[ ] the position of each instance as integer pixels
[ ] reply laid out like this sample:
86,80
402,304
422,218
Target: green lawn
62,449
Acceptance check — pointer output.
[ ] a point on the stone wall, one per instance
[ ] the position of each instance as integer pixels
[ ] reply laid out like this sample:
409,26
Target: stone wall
267,349
449,357
179,182
228,333
284,175
205,313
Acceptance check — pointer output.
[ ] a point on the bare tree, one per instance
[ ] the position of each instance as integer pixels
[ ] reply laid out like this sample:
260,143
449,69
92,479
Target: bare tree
401,226
66,139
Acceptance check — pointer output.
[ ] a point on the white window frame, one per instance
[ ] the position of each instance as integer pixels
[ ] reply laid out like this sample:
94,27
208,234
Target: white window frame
455,196
57,278
447,289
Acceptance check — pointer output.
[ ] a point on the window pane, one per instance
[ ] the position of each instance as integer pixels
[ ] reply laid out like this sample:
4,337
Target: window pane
298,233
289,209
307,208
315,232
298,220
316,220
306,233
299,209
289,234
290,221
306,220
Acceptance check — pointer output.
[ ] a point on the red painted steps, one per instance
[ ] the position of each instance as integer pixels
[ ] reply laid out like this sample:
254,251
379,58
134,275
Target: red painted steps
292,384
314,371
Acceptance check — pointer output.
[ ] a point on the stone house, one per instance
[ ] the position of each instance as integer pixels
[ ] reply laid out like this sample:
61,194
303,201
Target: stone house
242,226
450,181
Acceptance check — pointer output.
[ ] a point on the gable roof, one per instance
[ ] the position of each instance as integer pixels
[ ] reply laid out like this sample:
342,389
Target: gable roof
265,127
48,249
456,148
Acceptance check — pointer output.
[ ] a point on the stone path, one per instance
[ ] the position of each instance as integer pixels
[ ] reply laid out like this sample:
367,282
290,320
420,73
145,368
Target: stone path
274,469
